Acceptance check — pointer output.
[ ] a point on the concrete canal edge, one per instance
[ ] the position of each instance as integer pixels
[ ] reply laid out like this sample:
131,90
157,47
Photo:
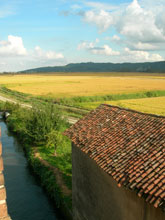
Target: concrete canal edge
3,205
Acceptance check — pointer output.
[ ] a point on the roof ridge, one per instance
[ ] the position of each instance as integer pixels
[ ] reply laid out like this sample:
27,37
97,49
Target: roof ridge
135,111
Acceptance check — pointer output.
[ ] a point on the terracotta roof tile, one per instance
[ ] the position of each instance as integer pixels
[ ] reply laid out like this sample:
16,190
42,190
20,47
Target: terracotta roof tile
128,145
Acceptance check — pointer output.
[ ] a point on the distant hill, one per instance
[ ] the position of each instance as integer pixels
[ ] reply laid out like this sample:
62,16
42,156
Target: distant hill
151,67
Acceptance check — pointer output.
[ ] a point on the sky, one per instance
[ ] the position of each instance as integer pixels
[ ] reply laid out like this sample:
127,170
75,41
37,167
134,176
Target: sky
35,33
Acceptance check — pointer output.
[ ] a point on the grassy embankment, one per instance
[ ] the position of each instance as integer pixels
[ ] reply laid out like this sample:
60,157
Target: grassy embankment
48,151
140,91
39,101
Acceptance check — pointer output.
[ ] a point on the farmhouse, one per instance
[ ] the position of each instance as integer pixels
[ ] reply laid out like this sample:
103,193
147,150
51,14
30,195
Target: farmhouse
118,158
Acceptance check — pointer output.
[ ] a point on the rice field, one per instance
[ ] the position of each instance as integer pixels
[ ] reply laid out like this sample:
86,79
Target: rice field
69,85
154,105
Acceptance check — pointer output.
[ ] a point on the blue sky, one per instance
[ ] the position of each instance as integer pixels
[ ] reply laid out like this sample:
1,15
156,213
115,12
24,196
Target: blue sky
57,32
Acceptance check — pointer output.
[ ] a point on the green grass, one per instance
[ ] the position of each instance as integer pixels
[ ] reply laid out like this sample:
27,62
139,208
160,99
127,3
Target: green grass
77,100
62,161
67,105
48,181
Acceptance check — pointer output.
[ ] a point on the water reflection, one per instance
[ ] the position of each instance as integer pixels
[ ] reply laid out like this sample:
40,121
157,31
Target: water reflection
25,198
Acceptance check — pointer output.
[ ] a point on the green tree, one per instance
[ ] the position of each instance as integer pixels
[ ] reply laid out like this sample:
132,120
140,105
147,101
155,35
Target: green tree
42,122
54,140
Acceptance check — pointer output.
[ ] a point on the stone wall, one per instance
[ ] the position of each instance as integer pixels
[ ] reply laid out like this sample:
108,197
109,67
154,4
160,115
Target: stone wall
97,196
3,206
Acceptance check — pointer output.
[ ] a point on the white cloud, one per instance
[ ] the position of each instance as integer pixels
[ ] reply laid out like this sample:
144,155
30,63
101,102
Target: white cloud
12,47
98,50
160,21
50,55
137,23
115,38
85,45
140,24
3,63
102,19
141,56
104,50
127,55
14,56
142,46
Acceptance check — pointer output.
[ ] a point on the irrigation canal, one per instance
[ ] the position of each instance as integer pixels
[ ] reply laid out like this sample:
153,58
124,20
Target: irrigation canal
26,200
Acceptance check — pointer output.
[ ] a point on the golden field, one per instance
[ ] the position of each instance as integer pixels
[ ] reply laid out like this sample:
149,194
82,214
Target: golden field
154,105
80,84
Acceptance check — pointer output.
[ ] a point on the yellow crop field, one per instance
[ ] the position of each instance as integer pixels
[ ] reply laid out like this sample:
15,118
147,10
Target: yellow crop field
69,85
154,105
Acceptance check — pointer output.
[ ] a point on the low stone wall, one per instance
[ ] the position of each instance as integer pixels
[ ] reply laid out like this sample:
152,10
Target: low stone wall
3,206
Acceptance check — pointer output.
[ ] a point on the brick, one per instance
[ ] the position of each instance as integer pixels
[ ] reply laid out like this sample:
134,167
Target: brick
1,179
2,193
6,218
3,210
157,202
1,164
0,149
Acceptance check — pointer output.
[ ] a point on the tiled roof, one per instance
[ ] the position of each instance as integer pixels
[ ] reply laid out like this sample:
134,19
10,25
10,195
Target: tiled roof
128,145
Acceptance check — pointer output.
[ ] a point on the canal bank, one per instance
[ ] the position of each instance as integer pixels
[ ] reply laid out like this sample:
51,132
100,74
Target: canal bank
52,181
26,199
3,205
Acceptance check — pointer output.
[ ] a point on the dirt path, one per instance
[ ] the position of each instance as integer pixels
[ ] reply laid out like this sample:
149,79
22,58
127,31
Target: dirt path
71,120
59,179
4,99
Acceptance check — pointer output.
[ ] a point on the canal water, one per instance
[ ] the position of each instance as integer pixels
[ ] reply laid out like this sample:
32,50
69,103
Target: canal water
25,198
